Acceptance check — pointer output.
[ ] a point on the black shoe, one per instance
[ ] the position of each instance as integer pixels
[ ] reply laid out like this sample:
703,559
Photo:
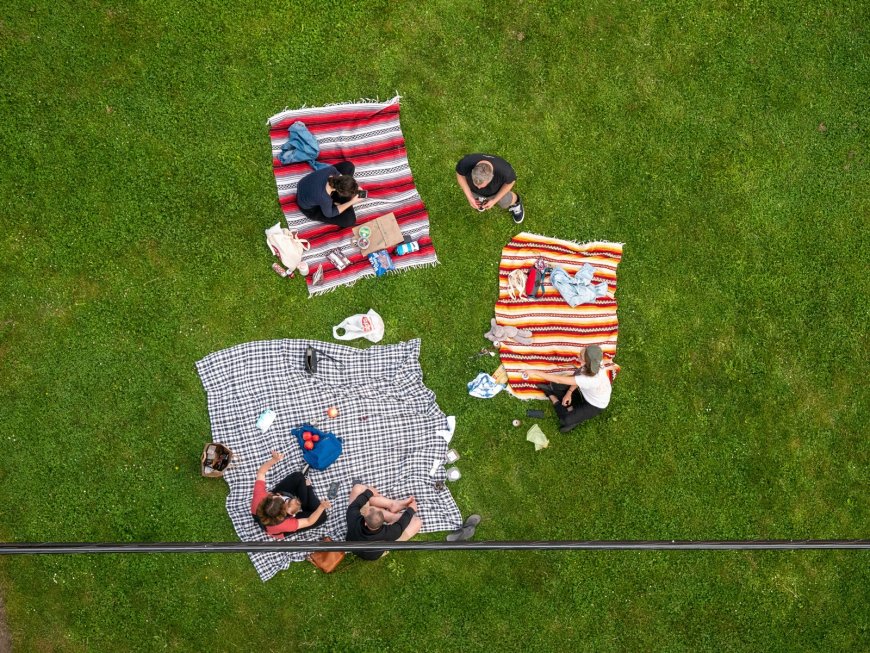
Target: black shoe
517,210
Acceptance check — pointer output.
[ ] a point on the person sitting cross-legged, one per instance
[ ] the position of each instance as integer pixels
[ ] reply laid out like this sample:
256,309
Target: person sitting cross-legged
580,396
329,195
372,517
291,506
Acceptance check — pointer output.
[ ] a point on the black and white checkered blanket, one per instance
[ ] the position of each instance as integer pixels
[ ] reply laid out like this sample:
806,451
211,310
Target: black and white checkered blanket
387,420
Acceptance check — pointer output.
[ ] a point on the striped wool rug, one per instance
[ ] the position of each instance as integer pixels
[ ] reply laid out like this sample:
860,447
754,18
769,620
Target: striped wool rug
559,332
369,135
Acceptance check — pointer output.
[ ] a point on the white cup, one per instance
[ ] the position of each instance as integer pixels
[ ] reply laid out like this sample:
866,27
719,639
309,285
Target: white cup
453,474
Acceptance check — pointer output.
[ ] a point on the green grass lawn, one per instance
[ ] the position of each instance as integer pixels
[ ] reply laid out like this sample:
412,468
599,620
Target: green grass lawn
725,143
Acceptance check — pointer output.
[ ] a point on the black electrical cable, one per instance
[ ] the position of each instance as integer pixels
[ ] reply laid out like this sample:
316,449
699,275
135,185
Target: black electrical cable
30,548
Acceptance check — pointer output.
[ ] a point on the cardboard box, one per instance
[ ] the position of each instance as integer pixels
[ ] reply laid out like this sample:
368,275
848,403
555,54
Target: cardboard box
385,233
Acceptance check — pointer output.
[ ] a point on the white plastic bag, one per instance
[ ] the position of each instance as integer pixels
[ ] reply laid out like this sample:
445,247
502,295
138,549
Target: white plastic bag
362,325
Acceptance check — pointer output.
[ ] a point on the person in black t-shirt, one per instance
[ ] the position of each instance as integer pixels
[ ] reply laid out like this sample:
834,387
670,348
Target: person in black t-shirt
371,517
488,180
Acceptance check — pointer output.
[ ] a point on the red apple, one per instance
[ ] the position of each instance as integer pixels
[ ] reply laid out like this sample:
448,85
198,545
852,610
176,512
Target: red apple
308,445
306,435
315,437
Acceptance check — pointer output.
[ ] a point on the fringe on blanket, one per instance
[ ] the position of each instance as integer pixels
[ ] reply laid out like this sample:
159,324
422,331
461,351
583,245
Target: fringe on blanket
585,243
396,98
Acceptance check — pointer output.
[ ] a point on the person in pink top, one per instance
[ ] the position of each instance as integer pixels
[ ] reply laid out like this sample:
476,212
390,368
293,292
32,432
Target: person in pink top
291,506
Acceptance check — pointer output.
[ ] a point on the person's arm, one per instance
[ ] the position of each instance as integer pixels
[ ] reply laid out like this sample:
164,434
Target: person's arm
463,184
395,530
266,466
504,190
259,494
327,207
356,199
305,522
352,515
566,400
393,505
566,379
361,500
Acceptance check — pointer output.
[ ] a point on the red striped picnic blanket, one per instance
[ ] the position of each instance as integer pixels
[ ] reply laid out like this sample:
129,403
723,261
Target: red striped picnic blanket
369,135
559,332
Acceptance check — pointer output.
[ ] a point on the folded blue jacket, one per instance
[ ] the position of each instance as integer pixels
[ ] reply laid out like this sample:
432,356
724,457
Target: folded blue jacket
301,146
577,290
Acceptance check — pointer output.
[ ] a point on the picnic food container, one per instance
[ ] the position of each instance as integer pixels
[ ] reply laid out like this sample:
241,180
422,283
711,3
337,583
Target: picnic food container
264,421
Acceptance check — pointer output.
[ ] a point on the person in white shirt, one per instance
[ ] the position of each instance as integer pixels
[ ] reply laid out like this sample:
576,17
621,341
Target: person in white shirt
585,395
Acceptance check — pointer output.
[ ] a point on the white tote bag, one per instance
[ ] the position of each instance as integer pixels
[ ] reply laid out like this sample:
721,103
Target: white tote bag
362,325
289,247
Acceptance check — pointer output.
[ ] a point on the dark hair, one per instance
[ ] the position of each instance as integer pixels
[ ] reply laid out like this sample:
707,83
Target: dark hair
270,512
345,186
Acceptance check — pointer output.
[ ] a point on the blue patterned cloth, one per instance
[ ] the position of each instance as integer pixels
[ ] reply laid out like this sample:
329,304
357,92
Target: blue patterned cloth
484,386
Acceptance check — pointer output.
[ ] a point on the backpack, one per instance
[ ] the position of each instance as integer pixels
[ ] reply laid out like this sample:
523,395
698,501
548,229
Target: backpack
326,450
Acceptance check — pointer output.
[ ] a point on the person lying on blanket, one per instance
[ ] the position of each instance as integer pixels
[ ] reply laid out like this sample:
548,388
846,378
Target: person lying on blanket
585,395
291,506
372,517
488,180
329,195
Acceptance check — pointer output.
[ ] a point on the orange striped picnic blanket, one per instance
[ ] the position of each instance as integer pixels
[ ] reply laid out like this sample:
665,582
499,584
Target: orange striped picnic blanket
559,332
